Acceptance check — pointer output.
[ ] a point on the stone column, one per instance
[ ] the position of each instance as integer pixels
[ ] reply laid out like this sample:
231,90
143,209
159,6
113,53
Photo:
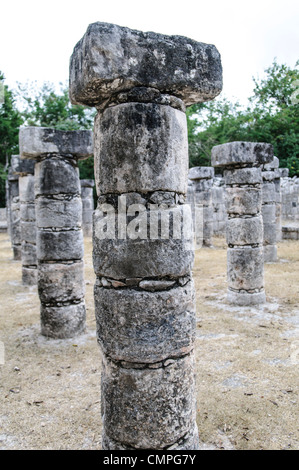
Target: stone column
14,212
269,210
87,206
219,209
144,292
59,234
25,170
202,178
243,179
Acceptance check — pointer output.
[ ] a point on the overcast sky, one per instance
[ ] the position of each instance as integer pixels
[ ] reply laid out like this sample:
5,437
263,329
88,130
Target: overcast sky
37,38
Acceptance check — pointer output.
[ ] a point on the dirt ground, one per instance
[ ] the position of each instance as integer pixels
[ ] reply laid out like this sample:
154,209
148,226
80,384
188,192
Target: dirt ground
247,363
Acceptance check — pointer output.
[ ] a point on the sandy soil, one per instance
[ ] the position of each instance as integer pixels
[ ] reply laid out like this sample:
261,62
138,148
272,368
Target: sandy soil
247,363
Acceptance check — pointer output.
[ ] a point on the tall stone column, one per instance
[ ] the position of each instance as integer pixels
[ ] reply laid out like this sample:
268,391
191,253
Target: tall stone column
25,170
14,213
202,178
58,206
243,180
144,292
87,206
269,197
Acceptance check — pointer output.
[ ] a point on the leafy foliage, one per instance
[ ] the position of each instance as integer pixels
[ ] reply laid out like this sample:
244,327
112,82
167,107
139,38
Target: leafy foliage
272,115
10,121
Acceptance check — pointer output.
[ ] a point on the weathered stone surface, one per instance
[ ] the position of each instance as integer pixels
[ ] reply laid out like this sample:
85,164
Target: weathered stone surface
121,258
29,254
159,324
21,167
188,442
35,142
201,172
243,176
56,176
270,253
243,201
269,233
27,212
247,231
268,192
63,214
141,147
119,58
268,175
26,189
29,275
245,269
63,322
60,246
149,408
269,213
238,153
58,282
245,298
28,232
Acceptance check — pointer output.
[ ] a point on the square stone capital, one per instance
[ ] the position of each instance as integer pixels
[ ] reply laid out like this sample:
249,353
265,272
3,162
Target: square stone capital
201,172
241,153
35,142
110,59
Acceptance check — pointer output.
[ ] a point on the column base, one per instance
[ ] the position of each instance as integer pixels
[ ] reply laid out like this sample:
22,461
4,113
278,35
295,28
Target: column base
245,298
63,322
189,442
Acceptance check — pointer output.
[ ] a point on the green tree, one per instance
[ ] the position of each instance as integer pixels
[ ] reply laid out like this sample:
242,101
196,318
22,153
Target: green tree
10,121
272,115
47,107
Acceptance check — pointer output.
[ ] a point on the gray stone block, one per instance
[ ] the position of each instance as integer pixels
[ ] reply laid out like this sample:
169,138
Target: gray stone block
269,213
21,167
239,153
245,268
189,442
268,192
159,324
161,401
144,258
243,201
35,142
241,231
58,282
26,189
119,58
29,275
29,254
270,234
62,214
60,246
62,322
56,176
270,253
141,147
243,176
28,232
246,299
201,172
